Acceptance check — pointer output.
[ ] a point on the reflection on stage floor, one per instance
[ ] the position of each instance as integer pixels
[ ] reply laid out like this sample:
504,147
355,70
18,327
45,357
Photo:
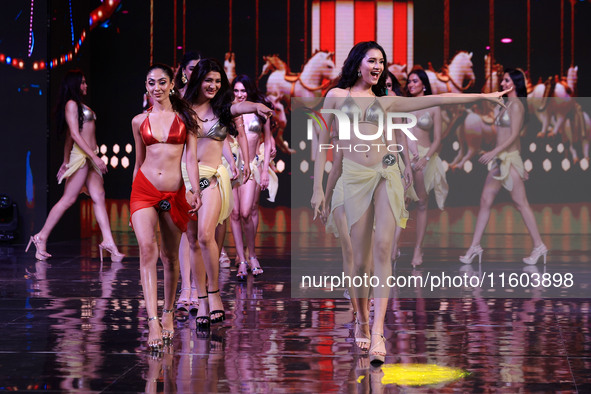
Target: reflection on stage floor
74,324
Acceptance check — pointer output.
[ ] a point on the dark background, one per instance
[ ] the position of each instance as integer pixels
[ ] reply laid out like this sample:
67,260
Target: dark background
116,55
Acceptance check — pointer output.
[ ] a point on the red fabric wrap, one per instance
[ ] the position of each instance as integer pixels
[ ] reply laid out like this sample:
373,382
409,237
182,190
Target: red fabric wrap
145,195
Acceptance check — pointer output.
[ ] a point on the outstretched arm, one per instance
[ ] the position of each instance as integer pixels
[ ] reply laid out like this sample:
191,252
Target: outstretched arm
408,104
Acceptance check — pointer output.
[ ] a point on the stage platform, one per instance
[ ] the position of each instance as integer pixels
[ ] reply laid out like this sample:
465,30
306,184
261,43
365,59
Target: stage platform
74,324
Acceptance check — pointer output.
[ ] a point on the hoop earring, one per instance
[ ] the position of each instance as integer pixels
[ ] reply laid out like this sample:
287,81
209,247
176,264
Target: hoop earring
184,79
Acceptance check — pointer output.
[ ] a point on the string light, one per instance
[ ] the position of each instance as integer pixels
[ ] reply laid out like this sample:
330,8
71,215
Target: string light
97,16
71,21
31,29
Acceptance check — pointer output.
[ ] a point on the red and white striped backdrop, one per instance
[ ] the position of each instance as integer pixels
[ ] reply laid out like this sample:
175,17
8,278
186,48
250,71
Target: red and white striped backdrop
337,25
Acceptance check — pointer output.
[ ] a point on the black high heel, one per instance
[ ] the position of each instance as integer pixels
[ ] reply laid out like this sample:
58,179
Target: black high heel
217,319
203,322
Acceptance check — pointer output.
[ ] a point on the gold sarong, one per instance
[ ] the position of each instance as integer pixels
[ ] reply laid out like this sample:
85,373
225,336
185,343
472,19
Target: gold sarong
359,184
507,159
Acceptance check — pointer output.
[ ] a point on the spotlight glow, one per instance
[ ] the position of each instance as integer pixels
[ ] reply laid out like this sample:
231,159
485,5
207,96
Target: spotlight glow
103,149
128,148
506,40
280,166
304,166
328,166
532,147
565,164
528,165
468,167
547,165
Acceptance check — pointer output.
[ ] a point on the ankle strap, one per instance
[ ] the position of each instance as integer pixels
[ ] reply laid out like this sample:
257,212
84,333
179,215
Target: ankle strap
201,298
152,318
213,292
167,310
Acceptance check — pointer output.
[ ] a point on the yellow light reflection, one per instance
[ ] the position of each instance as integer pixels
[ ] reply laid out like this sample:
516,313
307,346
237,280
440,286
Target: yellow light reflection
420,374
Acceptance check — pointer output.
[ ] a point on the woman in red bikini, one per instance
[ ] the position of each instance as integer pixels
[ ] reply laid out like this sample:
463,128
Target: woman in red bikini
158,193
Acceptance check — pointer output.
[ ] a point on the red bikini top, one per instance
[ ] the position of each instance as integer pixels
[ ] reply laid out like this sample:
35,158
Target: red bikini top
176,135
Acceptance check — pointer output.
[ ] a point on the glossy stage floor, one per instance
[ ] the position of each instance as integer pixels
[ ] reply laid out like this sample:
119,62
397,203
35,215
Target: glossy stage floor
74,324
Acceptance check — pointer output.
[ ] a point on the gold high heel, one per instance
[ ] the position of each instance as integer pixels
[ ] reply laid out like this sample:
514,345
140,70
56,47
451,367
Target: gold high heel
536,253
472,252
116,256
167,335
40,248
377,357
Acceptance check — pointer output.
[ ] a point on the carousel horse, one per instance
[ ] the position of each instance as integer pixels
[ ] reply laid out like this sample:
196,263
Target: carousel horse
452,78
554,105
474,126
399,72
315,78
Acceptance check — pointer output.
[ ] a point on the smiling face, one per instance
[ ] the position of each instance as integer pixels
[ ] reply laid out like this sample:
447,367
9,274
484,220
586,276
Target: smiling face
240,93
415,85
372,66
507,82
158,84
211,84
83,87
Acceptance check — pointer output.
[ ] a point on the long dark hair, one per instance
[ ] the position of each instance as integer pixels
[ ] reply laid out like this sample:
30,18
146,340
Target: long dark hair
518,78
222,101
419,72
179,105
69,90
252,93
351,66
396,86
187,58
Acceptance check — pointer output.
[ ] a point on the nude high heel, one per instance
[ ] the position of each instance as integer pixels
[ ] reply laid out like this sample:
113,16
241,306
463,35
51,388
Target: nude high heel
116,256
377,357
40,248
536,253
472,252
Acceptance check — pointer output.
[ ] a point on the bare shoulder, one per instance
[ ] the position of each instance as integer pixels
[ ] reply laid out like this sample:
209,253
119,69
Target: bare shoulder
71,105
138,119
336,92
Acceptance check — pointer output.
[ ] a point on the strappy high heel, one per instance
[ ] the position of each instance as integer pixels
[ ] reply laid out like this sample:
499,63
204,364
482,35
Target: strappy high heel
215,312
377,357
154,344
536,253
242,273
40,247
472,252
204,321
194,304
255,267
167,335
360,338
116,256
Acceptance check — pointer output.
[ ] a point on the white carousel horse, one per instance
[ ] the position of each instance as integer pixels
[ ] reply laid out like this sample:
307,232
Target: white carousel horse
453,77
399,72
315,77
